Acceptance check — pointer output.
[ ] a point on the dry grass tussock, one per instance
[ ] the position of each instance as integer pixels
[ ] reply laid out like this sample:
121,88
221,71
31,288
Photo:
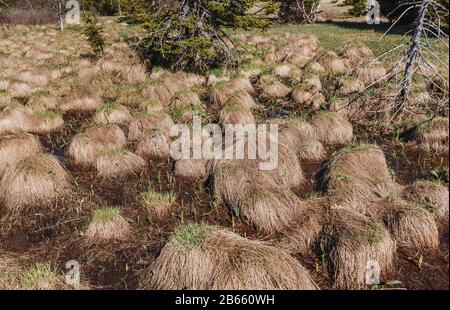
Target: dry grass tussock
193,169
81,102
305,229
351,241
153,144
299,137
433,136
332,128
373,72
16,273
356,52
410,225
332,62
206,257
432,196
359,172
34,180
112,113
117,162
85,148
17,118
107,224
235,113
270,209
16,147
160,122
158,205
272,88
350,85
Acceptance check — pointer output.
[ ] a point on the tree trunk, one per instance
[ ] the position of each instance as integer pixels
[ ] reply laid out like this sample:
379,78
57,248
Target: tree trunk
61,15
413,53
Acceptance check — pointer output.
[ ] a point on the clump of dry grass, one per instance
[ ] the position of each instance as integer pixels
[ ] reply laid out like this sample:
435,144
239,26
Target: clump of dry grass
153,144
85,148
48,121
349,85
332,128
15,274
288,174
16,147
81,102
433,136
373,72
17,118
298,137
315,67
158,205
43,102
235,113
305,228
269,209
112,113
193,169
107,224
21,90
332,62
432,196
272,88
284,71
133,74
242,98
355,52
34,180
206,257
351,241
139,126
410,225
118,162
231,180
359,172
302,95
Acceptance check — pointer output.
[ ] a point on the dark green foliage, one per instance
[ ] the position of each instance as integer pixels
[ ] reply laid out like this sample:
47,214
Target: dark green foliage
388,7
93,32
359,7
103,7
189,35
292,10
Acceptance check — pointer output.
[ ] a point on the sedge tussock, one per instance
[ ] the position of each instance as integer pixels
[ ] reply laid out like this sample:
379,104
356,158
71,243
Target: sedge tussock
332,128
431,196
153,121
16,147
112,113
353,240
207,257
34,180
359,172
116,162
84,148
107,224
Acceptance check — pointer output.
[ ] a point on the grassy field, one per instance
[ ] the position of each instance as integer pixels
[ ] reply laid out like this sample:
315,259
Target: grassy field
335,35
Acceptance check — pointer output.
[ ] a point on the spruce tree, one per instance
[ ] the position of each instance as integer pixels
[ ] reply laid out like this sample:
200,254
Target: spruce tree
191,34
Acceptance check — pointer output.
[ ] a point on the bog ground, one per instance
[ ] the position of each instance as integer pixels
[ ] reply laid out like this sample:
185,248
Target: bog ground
86,172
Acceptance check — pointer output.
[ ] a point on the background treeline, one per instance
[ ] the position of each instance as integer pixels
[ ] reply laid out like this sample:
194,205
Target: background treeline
393,9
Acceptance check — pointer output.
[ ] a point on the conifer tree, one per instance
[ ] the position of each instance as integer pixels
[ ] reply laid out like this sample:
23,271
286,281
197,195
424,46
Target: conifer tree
191,34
